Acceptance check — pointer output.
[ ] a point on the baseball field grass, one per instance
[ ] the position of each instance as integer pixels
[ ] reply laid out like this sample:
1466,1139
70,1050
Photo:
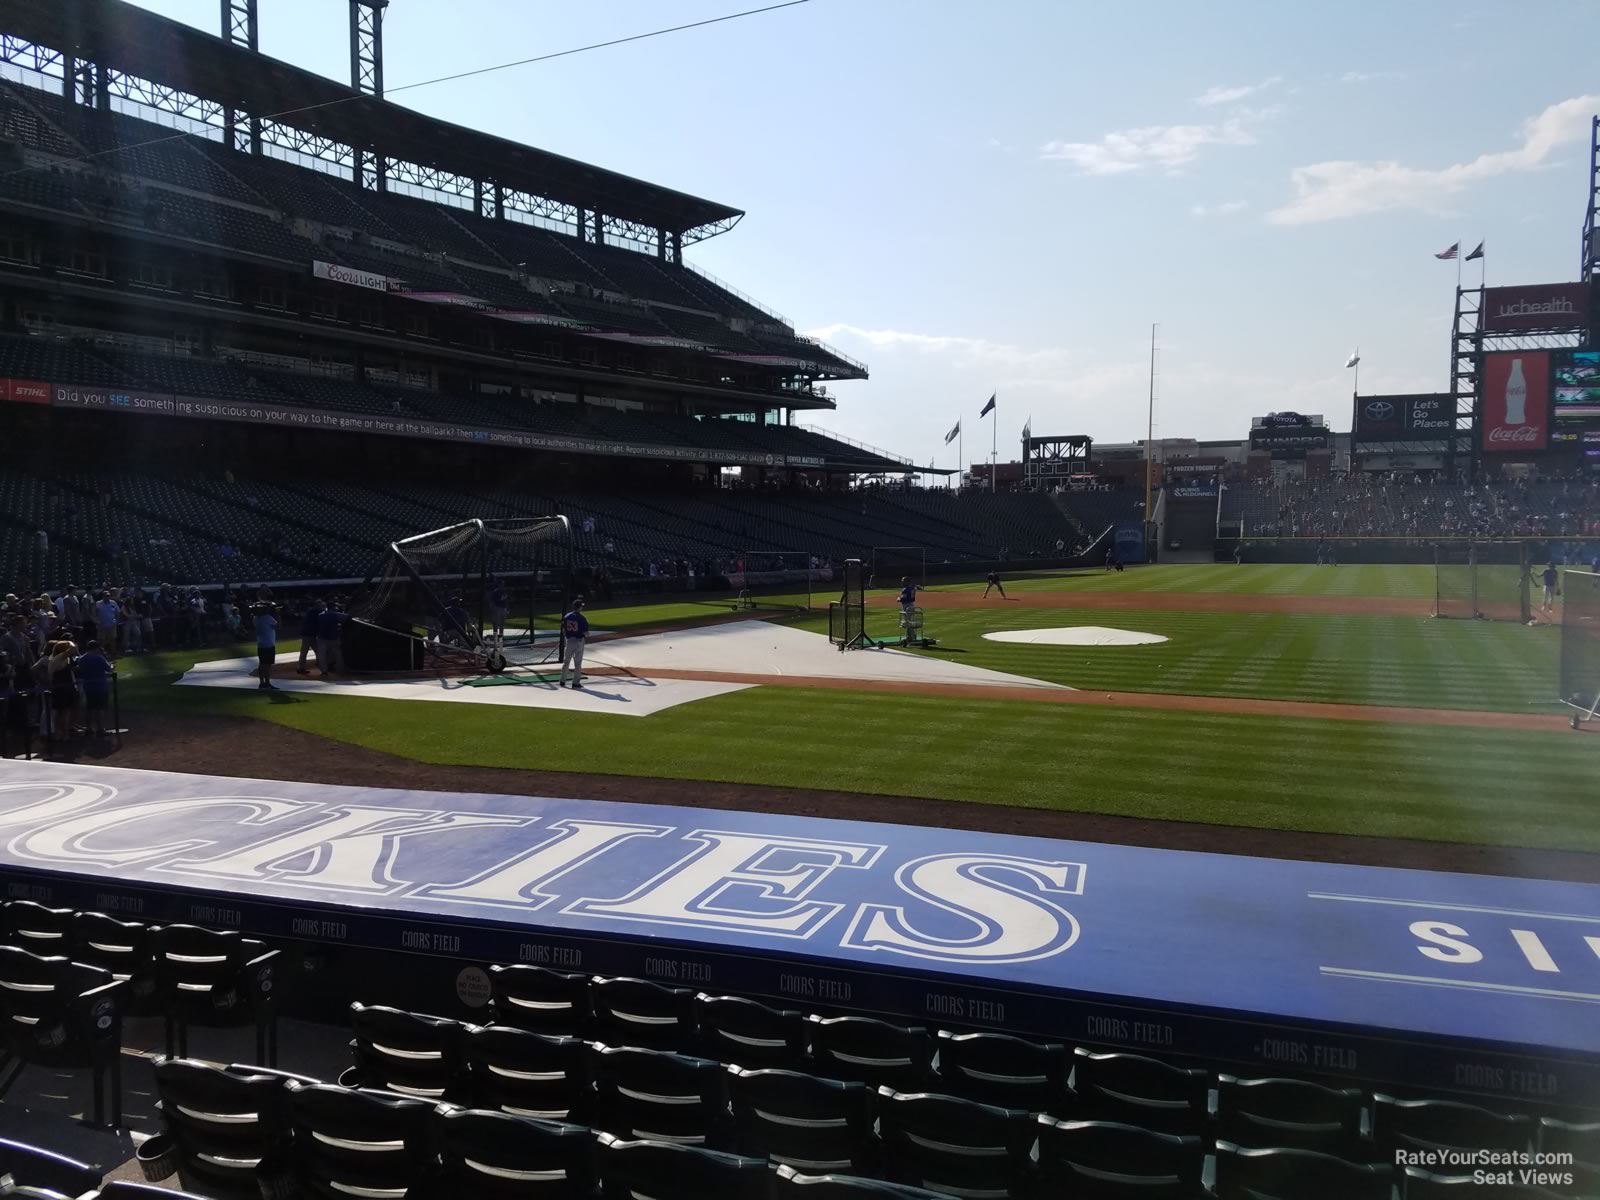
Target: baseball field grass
1488,786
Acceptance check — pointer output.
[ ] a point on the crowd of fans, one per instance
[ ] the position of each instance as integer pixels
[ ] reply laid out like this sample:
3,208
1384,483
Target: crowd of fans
1406,504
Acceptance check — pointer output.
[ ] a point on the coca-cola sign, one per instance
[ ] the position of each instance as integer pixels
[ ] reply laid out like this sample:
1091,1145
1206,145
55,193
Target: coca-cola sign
1515,402
1543,306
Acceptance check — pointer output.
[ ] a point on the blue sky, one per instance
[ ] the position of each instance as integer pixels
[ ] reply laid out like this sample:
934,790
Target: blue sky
1002,197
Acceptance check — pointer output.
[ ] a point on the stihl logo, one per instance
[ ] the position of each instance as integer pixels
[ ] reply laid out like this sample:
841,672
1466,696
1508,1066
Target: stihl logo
31,391
1518,434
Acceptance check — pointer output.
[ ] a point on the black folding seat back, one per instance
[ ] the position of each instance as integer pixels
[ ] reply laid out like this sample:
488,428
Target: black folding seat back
34,927
645,1170
539,1000
1134,1090
818,1126
995,1069
1243,1174
528,1074
228,1128
1447,1124
35,1167
871,1051
357,1143
656,1095
958,1146
411,1054
1290,1114
636,1012
1102,1158
741,1032
500,1157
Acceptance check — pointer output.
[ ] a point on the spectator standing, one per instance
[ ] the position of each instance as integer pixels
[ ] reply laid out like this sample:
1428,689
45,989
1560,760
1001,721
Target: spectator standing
330,658
308,635
106,612
94,674
266,644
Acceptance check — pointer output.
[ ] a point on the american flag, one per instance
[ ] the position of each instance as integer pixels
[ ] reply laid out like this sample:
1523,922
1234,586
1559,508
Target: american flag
1454,250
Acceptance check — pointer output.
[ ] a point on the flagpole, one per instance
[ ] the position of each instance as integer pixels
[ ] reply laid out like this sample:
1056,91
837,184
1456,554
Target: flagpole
994,453
1149,436
961,451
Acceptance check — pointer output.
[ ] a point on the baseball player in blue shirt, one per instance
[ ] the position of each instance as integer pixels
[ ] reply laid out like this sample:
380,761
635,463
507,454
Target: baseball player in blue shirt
574,630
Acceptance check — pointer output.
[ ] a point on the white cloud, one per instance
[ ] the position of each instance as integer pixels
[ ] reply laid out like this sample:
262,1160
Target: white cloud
1329,191
963,350
1226,209
1228,95
1153,145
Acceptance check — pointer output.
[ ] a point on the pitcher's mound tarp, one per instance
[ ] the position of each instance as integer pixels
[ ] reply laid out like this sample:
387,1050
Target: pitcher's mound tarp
1384,977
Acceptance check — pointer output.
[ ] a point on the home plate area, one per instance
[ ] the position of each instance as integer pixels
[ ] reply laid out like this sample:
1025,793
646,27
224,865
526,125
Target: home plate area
638,676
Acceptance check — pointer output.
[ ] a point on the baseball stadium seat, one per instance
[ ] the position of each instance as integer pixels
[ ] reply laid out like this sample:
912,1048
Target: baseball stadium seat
871,1051
121,1189
1289,1113
789,1184
225,1126
527,1074
51,1174
744,1032
1582,1141
1417,1184
539,1000
636,1012
1444,1124
992,1068
410,1054
1105,1160
955,1146
658,1095
56,1012
350,1143
1297,1175
812,1124
1135,1090
496,1156
121,947
668,1171
35,927
215,977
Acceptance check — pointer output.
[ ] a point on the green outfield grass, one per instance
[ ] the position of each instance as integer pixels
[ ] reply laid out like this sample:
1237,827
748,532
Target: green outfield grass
1256,579
1413,661
1493,787
1468,785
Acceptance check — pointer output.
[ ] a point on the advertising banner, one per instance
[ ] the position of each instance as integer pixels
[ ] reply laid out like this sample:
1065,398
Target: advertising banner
1291,438
351,276
24,391
1576,375
287,416
1516,401
1427,416
1539,306
1194,491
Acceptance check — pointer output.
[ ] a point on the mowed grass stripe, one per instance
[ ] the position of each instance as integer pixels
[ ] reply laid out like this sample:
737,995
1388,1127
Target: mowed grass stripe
1483,786
1265,579
1380,660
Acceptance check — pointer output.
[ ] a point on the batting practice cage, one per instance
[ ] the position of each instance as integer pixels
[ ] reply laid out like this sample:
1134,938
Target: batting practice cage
847,616
1580,644
1482,580
459,595
891,564
756,571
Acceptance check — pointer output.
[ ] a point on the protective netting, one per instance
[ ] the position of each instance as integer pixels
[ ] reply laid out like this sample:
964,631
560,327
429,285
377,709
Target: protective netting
452,588
1483,580
1580,638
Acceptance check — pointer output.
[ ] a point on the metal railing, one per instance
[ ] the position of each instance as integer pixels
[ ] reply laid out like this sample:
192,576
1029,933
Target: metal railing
849,441
748,299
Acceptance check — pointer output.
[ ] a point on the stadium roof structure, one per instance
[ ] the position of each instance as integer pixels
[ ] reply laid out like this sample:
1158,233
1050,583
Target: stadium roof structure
133,41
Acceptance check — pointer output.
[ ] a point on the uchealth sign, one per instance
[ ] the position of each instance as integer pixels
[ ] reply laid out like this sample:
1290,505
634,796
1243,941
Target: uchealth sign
1541,306
1515,402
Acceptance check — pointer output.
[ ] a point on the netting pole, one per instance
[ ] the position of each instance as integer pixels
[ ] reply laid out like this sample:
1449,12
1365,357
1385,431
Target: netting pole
1524,584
